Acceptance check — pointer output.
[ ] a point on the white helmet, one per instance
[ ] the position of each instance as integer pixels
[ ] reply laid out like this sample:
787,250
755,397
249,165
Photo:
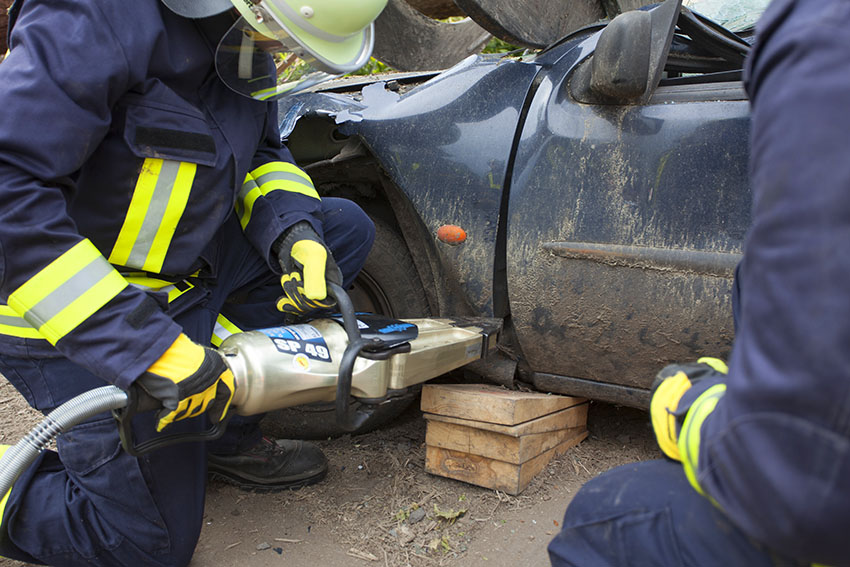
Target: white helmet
279,47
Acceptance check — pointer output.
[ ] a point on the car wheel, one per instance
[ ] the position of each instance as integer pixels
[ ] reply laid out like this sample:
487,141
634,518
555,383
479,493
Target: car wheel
388,285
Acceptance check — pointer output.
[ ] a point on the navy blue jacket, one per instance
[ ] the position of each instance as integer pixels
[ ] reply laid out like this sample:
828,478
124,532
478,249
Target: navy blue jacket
772,446
122,153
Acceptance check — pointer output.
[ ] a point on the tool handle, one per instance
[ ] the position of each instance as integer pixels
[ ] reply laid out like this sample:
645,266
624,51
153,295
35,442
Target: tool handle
348,419
139,401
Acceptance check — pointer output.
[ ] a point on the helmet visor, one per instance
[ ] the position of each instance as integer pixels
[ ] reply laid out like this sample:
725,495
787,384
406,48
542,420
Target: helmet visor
266,67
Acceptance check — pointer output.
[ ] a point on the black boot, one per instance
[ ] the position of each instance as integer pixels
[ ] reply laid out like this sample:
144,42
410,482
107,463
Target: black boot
271,466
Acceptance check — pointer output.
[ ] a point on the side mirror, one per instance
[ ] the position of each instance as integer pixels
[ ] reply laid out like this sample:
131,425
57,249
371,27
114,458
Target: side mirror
629,57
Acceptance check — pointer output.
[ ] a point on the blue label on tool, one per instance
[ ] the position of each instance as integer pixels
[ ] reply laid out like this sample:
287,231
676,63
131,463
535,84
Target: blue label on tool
299,339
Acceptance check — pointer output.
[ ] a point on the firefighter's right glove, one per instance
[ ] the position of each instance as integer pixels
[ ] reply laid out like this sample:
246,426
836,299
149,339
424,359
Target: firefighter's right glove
670,385
188,380
307,267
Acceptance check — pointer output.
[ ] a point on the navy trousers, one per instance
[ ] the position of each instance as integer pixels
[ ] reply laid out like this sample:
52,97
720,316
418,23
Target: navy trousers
89,502
647,515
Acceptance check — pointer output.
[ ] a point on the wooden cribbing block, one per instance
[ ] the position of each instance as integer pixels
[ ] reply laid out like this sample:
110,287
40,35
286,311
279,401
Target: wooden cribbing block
574,416
497,438
491,473
491,404
499,446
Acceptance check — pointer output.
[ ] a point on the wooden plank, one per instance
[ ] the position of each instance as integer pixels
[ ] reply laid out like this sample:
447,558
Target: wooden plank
486,402
491,473
515,450
570,417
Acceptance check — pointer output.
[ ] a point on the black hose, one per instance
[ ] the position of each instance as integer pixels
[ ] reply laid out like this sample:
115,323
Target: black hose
347,419
712,38
346,308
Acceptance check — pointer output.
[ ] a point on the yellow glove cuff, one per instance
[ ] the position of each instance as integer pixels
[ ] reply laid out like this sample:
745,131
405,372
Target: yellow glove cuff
313,257
181,360
664,402
715,363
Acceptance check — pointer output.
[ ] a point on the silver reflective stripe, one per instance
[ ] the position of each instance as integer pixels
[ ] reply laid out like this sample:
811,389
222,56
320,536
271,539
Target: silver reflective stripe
247,187
166,289
220,331
283,176
155,213
14,322
68,292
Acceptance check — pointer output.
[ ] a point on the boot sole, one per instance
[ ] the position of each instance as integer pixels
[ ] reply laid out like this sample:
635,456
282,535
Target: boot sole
259,487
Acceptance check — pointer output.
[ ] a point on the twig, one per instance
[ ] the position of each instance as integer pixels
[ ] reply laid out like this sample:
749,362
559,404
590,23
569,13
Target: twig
285,540
365,555
232,545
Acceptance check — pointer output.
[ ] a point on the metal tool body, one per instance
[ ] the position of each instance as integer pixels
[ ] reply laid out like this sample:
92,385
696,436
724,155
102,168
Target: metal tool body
300,364
362,355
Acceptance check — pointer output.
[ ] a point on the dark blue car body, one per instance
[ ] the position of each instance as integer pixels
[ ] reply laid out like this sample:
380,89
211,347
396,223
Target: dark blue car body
604,235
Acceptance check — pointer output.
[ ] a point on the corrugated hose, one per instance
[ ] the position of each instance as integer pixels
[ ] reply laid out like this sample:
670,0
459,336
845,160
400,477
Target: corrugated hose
76,410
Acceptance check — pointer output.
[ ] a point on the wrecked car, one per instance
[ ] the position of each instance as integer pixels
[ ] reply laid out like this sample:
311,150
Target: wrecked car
592,195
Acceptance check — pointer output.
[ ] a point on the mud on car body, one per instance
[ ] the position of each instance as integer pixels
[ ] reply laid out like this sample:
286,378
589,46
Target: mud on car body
601,183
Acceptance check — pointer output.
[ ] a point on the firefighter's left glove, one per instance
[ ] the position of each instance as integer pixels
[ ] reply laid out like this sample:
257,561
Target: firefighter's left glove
307,266
670,385
188,380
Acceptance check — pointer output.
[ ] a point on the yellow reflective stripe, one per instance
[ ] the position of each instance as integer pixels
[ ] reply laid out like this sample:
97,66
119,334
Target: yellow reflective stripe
273,176
223,329
282,167
249,193
174,290
264,94
142,196
3,449
147,282
67,292
689,437
159,200
284,176
14,325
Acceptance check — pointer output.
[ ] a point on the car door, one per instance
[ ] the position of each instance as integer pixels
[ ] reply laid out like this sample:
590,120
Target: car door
625,224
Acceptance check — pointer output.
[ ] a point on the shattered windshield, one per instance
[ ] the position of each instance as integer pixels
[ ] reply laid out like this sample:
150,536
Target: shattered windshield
734,15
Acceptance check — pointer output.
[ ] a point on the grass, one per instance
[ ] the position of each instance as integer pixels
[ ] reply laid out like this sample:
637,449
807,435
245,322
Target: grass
375,67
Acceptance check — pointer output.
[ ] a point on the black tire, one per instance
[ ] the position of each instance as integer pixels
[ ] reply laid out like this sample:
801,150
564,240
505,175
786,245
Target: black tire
388,285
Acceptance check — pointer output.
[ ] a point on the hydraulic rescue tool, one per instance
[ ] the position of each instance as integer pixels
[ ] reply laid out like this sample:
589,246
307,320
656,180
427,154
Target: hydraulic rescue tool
365,356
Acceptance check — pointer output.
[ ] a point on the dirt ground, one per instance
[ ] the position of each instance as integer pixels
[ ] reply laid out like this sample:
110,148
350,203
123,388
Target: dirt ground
379,507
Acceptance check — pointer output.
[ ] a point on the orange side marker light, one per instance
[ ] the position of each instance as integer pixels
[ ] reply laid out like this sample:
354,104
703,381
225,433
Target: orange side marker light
451,234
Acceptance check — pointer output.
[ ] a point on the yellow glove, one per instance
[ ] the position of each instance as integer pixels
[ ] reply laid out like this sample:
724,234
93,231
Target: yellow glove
307,267
189,379
667,390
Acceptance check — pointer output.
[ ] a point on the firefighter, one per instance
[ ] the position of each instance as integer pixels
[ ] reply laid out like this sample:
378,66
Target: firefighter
147,210
758,454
